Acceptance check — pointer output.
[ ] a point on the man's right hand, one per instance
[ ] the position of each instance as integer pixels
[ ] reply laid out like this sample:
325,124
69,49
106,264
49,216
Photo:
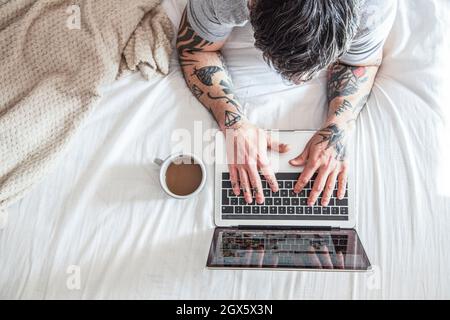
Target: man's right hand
247,153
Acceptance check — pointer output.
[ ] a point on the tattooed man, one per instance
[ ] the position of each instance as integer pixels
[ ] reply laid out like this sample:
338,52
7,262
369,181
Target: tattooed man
298,38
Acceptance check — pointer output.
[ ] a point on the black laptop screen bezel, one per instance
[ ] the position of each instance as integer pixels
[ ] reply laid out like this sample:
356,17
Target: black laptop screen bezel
355,250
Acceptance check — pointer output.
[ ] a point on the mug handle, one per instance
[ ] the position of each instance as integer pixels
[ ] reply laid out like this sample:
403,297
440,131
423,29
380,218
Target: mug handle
158,161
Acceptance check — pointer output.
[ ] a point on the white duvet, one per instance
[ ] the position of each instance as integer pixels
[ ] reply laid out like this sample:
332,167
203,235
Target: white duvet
100,226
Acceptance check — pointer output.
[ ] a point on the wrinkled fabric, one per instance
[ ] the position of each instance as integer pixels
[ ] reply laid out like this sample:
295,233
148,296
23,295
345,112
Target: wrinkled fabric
55,56
103,216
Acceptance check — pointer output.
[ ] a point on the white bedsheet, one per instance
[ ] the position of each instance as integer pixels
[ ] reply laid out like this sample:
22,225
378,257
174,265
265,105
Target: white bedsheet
101,212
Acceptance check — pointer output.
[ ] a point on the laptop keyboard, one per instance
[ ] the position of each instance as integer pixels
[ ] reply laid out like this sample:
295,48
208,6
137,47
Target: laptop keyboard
282,205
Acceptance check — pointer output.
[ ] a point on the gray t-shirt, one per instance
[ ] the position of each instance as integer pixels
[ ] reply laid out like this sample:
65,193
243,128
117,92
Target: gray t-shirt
213,20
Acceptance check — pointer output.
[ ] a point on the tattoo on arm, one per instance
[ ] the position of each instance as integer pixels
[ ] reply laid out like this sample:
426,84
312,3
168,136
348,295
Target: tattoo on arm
231,118
227,86
344,80
197,91
207,82
227,89
188,42
229,100
205,74
224,67
334,137
346,105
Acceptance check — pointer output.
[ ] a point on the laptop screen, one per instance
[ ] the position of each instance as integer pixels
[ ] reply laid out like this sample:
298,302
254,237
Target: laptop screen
287,249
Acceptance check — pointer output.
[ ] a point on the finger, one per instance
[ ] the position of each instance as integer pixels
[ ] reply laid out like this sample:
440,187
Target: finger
304,178
256,184
245,185
340,264
301,159
259,256
342,182
269,175
275,145
248,256
318,186
328,191
325,258
234,179
231,148
313,258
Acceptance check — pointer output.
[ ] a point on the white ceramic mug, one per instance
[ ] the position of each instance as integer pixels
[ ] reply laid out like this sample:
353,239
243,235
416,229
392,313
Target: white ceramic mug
164,165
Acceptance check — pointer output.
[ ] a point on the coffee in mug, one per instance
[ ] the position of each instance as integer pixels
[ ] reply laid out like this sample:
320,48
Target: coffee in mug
182,175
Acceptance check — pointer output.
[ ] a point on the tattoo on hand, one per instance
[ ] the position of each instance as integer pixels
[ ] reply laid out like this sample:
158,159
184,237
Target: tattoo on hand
334,137
344,80
346,105
231,118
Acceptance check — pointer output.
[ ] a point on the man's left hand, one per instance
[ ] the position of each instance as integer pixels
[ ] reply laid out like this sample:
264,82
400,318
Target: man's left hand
324,154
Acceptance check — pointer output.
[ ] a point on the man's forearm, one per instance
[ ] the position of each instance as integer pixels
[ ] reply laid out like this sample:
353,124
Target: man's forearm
207,77
348,90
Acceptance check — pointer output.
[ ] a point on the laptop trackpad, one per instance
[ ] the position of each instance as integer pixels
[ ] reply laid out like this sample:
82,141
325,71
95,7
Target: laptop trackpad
287,249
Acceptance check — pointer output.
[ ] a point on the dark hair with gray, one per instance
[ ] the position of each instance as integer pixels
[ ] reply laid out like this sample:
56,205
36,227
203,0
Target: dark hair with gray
299,38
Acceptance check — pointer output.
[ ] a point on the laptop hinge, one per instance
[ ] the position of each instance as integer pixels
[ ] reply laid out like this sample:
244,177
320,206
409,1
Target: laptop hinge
259,227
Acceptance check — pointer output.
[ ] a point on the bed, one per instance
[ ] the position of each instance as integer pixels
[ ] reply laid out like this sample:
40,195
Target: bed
100,227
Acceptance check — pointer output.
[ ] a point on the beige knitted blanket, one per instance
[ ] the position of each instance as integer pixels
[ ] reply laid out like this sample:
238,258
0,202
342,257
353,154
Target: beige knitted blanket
55,55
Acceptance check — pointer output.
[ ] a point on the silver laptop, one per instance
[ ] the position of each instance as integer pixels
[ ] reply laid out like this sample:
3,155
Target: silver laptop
283,233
